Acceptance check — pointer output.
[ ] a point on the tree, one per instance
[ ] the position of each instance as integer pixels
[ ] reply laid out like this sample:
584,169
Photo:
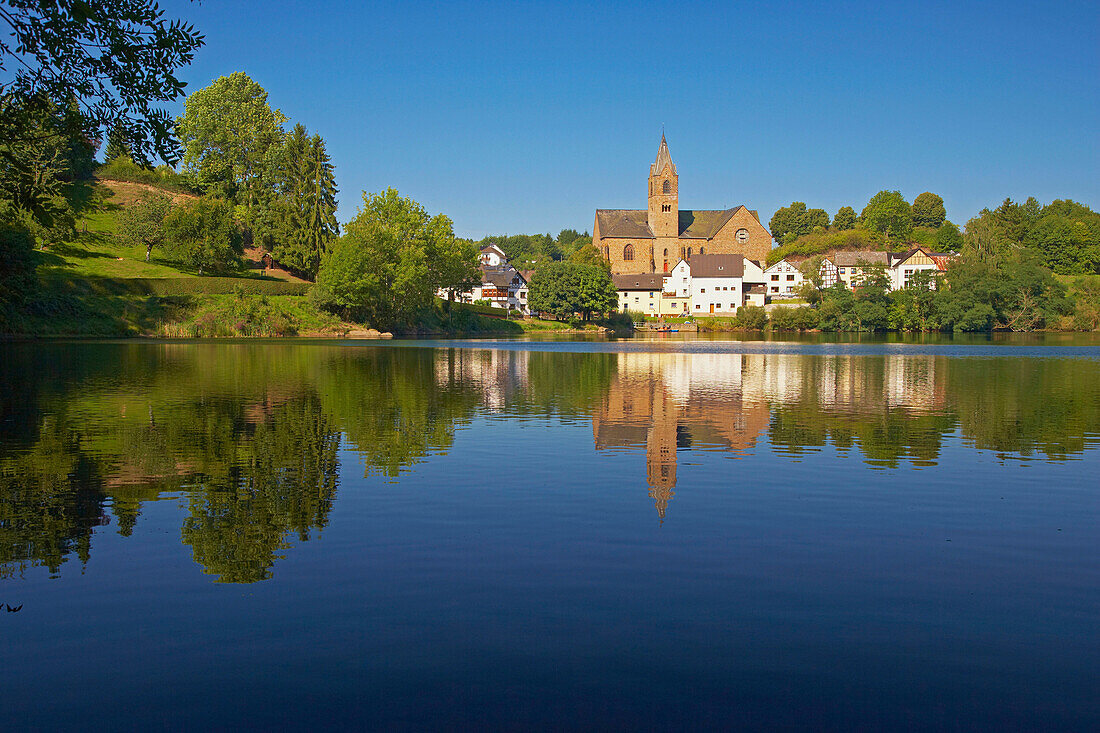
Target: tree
888,213
928,211
228,131
17,270
205,235
948,238
117,58
589,254
985,241
565,288
391,261
787,220
142,223
812,219
304,213
845,219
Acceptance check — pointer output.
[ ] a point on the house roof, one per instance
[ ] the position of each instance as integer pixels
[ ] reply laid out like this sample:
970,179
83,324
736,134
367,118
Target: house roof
634,223
757,288
852,258
501,277
638,282
493,248
717,266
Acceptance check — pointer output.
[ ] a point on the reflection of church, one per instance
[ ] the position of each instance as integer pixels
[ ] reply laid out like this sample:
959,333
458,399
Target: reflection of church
647,405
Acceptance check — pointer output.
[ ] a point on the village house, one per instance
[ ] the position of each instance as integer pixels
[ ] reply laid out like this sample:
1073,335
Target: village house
716,284
639,293
502,285
850,267
642,241
783,279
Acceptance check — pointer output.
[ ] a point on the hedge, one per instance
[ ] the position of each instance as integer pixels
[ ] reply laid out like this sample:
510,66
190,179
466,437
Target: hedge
175,286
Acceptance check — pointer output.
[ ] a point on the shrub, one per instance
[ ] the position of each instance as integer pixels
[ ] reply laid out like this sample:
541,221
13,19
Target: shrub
793,319
752,317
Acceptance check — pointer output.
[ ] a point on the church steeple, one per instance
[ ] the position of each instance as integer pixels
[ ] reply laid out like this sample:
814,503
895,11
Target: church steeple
664,206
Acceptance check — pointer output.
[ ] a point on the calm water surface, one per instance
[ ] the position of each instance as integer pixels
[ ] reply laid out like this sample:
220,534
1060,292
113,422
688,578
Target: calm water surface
610,535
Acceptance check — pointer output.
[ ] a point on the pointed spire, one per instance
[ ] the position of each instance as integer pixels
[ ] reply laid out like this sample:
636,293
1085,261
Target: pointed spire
664,158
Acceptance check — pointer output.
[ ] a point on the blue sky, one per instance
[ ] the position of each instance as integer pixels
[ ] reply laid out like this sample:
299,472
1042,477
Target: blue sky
525,117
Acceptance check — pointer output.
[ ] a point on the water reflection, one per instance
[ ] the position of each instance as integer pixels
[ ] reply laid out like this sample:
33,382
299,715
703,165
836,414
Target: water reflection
250,436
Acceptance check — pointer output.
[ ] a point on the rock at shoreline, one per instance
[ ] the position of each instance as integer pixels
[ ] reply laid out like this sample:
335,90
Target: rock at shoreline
368,333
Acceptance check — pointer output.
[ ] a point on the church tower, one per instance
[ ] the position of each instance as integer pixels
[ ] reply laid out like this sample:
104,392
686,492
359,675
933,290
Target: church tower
664,206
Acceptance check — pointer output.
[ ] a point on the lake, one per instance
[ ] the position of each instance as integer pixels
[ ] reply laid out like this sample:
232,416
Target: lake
638,534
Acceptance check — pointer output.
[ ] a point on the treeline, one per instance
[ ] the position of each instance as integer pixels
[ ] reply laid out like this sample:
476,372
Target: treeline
528,251
888,221
1017,293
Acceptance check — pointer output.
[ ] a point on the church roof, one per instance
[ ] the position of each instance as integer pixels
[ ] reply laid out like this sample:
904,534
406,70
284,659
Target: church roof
664,159
634,223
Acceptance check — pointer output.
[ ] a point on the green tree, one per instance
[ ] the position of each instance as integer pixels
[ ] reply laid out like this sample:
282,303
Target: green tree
948,238
390,262
787,221
812,220
116,58
142,222
204,235
928,210
589,255
565,288
845,219
228,132
889,214
305,210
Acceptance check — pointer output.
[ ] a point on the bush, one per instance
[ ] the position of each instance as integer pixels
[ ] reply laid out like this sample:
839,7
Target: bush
123,168
752,317
17,266
793,319
822,242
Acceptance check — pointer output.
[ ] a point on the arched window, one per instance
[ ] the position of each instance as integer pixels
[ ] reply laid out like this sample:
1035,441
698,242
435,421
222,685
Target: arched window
666,251
700,250
666,187
689,252
606,252
742,235
628,252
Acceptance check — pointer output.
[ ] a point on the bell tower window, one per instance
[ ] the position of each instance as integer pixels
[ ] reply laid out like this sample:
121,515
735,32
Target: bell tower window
666,187
666,207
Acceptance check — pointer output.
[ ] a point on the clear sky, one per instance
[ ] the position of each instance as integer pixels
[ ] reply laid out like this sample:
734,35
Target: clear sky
520,117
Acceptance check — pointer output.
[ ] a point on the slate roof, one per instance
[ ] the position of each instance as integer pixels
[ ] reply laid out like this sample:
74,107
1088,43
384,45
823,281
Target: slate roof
638,282
664,159
634,223
853,258
499,276
717,266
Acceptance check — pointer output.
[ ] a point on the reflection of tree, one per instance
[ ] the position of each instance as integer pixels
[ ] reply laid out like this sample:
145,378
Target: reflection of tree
283,483
49,503
391,406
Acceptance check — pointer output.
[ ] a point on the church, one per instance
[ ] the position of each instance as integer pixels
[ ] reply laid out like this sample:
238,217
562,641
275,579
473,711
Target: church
653,240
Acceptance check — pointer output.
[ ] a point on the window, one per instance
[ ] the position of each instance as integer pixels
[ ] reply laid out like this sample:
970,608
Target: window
742,235
701,251
840,270
790,278
696,307
666,251
628,252
673,305
666,207
702,290
775,288
775,278
607,253
666,187
689,251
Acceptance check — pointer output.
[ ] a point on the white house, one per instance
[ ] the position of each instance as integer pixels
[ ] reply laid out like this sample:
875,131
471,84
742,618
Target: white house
493,256
640,293
716,284
903,265
783,279
504,287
